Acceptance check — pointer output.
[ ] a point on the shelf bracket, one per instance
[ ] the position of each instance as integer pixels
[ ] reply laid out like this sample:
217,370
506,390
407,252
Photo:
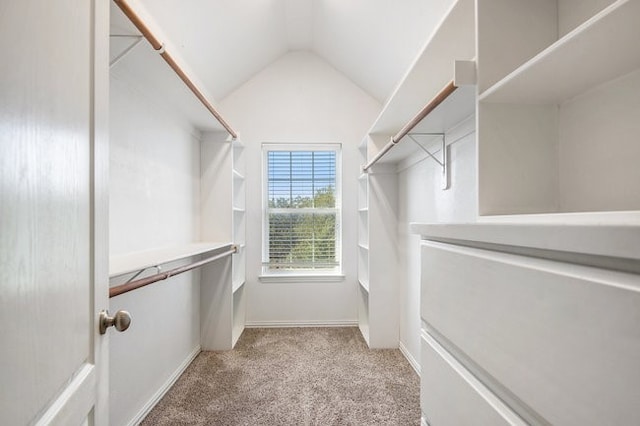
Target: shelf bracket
137,274
443,161
128,49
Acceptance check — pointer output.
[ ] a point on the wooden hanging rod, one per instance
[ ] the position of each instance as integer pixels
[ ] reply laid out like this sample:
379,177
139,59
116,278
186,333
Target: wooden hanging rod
133,285
433,104
159,47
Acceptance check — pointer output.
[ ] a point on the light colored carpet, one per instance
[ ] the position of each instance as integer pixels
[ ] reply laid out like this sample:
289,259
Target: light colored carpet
294,376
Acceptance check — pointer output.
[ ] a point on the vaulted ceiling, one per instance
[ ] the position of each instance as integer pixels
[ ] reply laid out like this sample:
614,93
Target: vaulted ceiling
226,42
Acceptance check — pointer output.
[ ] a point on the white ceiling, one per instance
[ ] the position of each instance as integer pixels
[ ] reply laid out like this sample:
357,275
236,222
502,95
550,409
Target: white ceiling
226,42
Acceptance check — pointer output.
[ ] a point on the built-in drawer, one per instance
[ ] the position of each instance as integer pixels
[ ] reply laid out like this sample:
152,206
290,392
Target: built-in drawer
562,339
451,396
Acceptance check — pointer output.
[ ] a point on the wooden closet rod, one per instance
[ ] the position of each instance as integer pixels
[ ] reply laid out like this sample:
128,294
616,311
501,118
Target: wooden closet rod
159,47
433,104
133,285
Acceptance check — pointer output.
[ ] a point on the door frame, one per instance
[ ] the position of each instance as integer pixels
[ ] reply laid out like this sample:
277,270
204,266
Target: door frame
100,202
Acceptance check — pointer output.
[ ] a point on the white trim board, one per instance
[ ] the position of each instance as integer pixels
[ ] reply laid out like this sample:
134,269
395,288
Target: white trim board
146,408
412,361
318,278
310,323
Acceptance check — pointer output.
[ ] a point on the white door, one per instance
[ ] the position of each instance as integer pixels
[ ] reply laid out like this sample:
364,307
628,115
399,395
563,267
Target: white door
53,261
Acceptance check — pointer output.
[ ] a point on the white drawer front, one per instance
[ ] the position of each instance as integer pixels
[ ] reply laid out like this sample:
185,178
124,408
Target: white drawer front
565,339
451,396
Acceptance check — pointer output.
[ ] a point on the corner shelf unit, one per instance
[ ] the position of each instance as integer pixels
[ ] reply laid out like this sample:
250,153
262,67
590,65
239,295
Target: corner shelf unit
223,217
558,113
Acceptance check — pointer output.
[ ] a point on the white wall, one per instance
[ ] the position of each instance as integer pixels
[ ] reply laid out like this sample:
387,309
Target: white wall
421,199
300,99
154,202
597,128
155,171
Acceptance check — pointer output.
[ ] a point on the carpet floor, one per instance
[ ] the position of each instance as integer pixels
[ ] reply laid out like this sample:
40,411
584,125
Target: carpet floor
294,376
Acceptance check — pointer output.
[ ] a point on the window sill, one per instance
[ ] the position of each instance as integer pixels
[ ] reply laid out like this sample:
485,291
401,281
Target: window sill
289,278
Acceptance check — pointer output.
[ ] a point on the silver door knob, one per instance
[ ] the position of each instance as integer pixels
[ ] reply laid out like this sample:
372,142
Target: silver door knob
121,321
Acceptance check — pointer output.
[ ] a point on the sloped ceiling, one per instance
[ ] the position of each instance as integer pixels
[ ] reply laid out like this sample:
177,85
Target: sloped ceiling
226,42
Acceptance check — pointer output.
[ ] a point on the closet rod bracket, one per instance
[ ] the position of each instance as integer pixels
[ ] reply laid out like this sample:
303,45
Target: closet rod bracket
443,162
126,51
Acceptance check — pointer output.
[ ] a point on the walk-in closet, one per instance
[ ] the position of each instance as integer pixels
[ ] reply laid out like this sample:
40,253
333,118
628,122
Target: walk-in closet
314,212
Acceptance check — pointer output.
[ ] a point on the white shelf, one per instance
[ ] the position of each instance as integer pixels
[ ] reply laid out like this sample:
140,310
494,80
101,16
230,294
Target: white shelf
132,262
613,218
453,40
557,134
145,70
238,210
363,210
617,241
599,50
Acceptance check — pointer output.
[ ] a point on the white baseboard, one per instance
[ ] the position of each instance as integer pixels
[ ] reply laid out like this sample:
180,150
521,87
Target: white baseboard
312,323
415,364
146,409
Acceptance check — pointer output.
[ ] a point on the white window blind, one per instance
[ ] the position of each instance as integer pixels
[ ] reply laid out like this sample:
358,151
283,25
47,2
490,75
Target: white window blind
302,214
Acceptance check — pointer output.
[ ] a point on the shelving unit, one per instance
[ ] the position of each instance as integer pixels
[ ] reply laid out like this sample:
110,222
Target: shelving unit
363,221
557,116
557,108
239,236
453,42
363,245
172,88
378,310
414,122
457,107
224,217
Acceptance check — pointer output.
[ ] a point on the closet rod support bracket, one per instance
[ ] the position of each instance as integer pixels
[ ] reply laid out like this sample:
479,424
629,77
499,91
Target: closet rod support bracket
443,162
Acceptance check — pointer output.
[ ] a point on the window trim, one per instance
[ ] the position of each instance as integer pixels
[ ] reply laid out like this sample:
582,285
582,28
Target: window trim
312,275
334,277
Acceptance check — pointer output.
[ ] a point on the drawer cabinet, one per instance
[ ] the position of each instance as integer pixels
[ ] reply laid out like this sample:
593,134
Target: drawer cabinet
563,340
451,395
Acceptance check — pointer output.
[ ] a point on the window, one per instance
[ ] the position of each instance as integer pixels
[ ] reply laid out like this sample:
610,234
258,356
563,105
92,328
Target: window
301,214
